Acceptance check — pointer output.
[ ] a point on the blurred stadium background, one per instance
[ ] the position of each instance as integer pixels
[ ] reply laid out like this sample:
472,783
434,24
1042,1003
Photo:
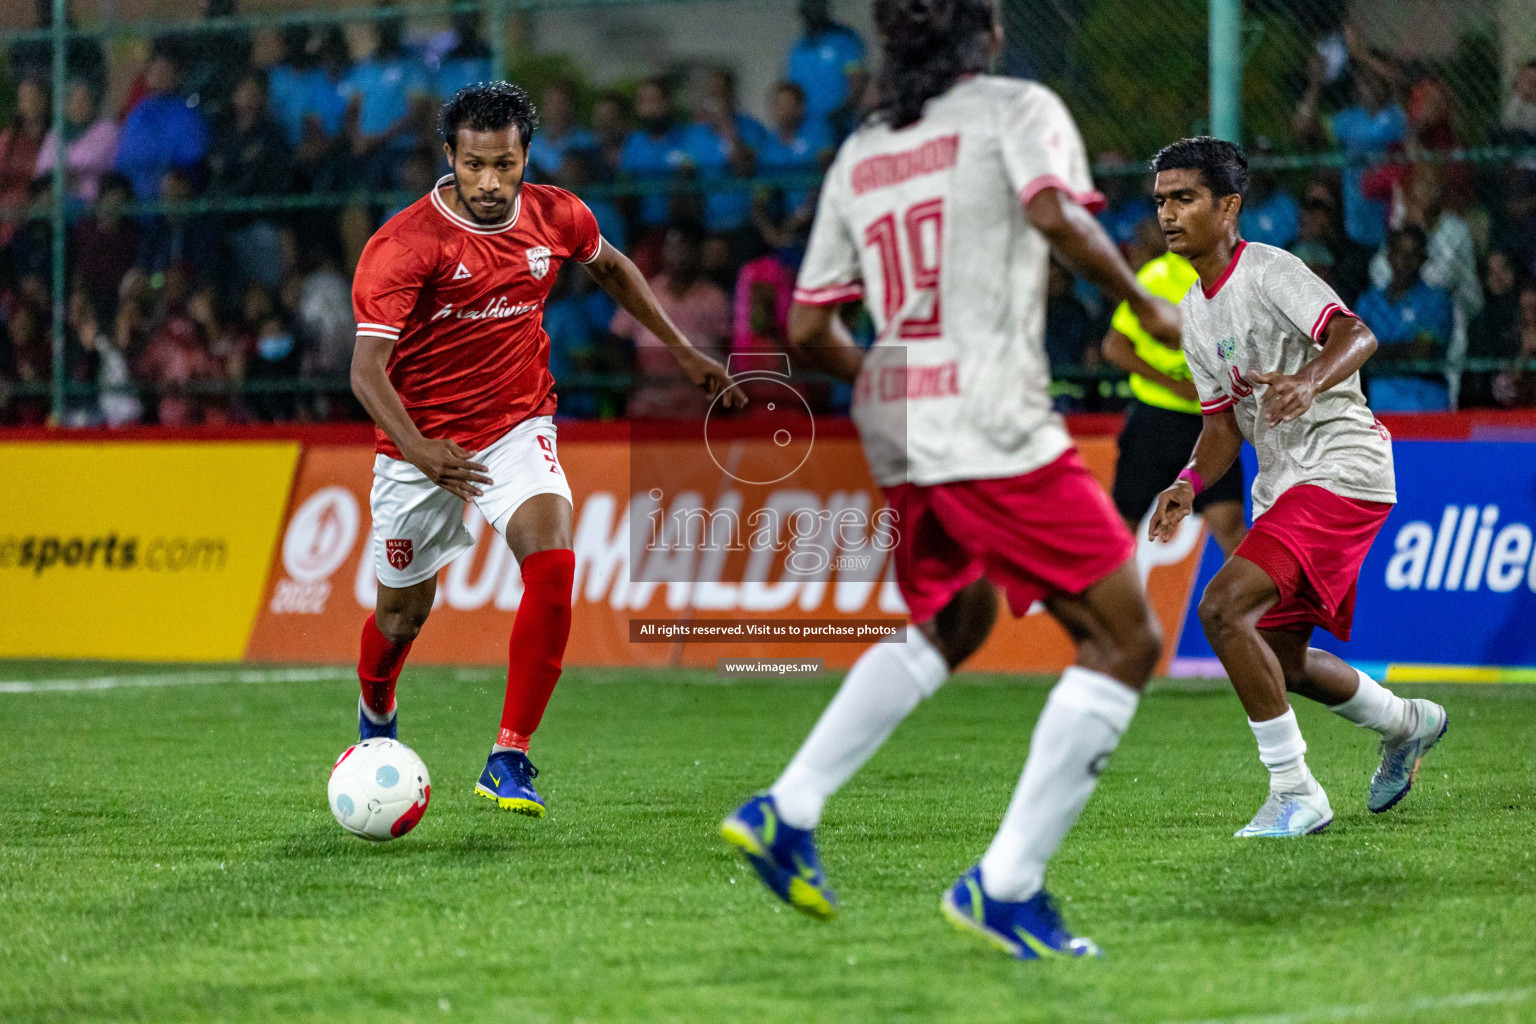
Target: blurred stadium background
225,165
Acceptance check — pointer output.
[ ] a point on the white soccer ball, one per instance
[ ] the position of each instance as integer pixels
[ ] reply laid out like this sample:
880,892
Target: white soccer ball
379,789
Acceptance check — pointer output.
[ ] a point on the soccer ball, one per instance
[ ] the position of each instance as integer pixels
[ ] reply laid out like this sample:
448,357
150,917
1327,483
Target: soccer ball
379,789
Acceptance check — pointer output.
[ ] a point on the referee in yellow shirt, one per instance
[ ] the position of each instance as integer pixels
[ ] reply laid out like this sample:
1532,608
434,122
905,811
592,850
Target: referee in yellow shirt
1163,421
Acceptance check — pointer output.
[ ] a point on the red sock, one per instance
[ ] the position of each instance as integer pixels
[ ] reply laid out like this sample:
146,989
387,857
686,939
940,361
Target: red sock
539,633
378,667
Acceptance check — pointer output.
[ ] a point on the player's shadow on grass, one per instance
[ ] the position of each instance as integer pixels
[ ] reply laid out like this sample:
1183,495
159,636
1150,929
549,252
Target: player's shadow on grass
327,843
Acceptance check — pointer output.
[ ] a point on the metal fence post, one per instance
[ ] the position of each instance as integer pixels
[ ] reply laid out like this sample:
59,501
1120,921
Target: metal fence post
1226,48
498,13
59,149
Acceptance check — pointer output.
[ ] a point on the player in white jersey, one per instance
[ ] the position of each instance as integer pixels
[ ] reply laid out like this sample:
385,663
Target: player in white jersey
1276,358
940,213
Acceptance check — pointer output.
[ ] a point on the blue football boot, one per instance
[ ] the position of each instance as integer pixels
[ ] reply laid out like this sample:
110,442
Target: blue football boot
783,857
1031,930
508,780
1400,756
368,729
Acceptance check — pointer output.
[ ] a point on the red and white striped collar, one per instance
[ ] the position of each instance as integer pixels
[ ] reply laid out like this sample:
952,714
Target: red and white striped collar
1237,253
467,224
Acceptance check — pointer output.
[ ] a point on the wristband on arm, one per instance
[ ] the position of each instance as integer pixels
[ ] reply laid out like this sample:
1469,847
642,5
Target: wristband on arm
1194,479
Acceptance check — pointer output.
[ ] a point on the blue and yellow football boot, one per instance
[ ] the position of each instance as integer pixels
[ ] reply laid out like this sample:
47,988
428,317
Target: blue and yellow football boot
368,729
783,857
508,780
1400,756
1031,930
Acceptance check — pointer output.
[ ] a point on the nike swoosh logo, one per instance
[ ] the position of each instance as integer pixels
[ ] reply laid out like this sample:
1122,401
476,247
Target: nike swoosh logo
803,869
494,779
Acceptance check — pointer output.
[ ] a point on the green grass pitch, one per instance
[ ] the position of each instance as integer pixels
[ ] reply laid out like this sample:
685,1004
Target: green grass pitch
166,854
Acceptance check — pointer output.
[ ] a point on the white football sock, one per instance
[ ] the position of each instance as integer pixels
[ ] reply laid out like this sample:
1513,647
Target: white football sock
887,682
1083,720
1283,751
372,715
1375,707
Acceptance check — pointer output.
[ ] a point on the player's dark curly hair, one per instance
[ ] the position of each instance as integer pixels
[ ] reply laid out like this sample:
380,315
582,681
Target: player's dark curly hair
1219,162
488,107
928,45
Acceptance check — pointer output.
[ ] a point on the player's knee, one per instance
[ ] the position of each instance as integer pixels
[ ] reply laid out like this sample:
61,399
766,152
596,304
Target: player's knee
1219,614
402,626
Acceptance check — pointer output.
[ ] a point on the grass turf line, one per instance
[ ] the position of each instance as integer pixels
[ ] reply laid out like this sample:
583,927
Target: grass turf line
166,854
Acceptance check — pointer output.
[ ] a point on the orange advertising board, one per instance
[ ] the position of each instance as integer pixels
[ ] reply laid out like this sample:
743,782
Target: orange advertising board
322,584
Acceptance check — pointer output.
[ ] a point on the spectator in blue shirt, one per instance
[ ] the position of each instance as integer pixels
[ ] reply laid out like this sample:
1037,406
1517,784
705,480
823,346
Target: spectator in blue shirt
723,144
289,82
575,175
1270,214
795,144
389,90
610,128
656,151
323,153
1411,320
558,133
1367,130
162,132
470,59
827,63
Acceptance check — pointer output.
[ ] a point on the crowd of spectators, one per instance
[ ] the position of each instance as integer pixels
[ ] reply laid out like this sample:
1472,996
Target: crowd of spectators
189,317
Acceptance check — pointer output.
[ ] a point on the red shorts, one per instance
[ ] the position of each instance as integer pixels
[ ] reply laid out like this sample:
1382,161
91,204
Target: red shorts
1312,542
1052,531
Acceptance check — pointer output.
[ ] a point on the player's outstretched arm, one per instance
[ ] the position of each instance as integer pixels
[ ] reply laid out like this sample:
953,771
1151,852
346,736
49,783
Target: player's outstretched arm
1347,344
1080,243
445,463
817,333
621,279
1219,444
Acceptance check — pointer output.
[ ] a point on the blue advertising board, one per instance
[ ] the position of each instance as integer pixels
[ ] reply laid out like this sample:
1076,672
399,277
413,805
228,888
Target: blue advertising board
1448,591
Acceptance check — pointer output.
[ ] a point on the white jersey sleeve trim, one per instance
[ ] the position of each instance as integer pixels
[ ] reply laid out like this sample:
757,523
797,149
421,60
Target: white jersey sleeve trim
830,296
378,330
1092,201
1329,312
596,252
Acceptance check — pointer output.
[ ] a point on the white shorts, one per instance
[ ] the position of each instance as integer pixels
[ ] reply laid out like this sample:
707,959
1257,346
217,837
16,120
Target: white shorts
418,527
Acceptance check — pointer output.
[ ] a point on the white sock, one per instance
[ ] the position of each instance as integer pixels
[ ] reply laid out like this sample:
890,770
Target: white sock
372,715
1084,718
887,682
1283,751
1375,707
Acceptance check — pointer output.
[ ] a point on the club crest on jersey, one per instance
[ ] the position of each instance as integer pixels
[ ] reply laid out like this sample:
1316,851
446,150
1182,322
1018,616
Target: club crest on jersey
1225,348
399,553
538,261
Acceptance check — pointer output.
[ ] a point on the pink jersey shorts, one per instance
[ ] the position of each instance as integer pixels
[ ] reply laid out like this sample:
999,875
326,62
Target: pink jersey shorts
1050,531
1312,543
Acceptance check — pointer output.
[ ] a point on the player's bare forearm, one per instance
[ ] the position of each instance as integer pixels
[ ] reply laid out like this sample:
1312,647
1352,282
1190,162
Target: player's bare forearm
1080,242
1119,351
445,463
1217,448
617,275
1347,344
371,385
817,333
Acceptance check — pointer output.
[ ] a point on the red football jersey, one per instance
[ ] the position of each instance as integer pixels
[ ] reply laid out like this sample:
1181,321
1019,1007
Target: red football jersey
463,304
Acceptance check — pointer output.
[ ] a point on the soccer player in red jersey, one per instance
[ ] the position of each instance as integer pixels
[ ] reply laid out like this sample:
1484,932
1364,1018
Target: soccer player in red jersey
452,363
1276,358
